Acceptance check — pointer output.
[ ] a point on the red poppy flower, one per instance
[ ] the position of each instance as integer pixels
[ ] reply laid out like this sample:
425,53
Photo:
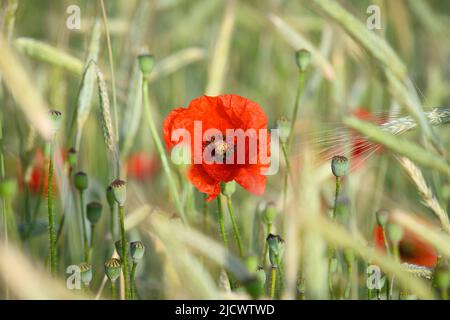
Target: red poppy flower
222,113
141,165
412,249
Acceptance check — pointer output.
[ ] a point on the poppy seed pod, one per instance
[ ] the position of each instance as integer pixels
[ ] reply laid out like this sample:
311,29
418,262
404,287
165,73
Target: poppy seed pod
284,129
276,249
55,117
382,217
110,196
339,166
118,246
93,211
394,233
228,188
302,58
146,63
81,181
113,268
137,250
119,189
269,213
85,273
72,157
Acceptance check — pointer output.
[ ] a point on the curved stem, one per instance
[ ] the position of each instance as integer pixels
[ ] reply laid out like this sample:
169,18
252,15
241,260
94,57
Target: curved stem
51,215
273,283
298,95
221,225
83,225
124,250
235,227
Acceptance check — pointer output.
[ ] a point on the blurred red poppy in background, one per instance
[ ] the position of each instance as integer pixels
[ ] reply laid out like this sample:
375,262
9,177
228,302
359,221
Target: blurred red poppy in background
412,249
222,113
142,166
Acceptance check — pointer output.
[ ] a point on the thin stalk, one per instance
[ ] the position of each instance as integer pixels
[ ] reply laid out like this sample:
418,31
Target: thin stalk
396,253
113,290
235,227
348,287
124,250
336,196
112,226
132,279
205,211
162,154
266,246
91,244
221,225
298,95
331,251
83,225
273,283
51,214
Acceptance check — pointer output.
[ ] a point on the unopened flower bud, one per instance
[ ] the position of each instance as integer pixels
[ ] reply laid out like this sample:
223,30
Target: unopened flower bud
382,217
228,188
146,63
276,249
72,157
55,117
339,166
113,268
119,189
81,181
269,213
394,233
137,250
302,58
85,273
93,211
284,129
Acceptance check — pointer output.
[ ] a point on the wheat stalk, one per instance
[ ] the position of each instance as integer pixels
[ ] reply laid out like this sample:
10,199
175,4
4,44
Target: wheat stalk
426,193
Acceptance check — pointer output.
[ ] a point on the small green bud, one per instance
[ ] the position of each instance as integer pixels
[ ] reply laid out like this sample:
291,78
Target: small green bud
81,181
55,117
93,211
146,63
251,262
382,217
269,213
118,246
302,58
8,188
228,188
394,233
110,196
276,249
72,157
85,273
137,250
119,189
113,268
339,166
284,129
261,276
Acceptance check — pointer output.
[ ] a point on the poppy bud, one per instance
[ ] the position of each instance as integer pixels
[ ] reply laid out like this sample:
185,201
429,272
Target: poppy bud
118,246
146,63
113,268
339,166
8,188
284,129
394,233
228,188
137,250
382,217
276,249
251,262
302,58
119,189
81,181
269,213
93,211
110,196
72,157
55,117
85,273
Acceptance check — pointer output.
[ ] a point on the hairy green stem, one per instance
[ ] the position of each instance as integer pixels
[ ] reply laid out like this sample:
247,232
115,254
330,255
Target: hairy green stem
266,246
91,244
132,279
235,227
51,214
83,226
298,95
113,290
124,250
221,225
273,283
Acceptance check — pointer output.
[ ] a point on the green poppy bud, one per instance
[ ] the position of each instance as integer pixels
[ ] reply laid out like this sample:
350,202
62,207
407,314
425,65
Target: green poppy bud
382,217
251,262
137,250
119,189
93,211
81,181
339,166
302,58
228,188
85,273
270,213
8,188
284,129
113,267
146,63
72,157
276,249
55,117
394,233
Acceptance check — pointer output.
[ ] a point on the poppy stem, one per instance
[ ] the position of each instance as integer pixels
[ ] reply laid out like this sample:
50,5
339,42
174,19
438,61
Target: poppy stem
298,95
266,246
113,290
162,154
221,225
133,283
124,258
91,244
235,227
83,225
273,282
336,196
396,252
51,214
205,211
